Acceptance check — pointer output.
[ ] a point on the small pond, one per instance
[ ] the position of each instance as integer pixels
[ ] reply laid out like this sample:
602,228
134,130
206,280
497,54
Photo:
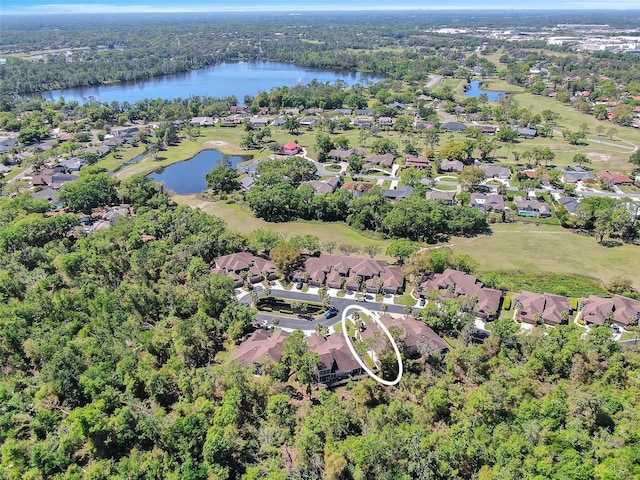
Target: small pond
474,91
189,176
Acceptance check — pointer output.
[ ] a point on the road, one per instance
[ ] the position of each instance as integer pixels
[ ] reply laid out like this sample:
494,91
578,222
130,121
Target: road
300,324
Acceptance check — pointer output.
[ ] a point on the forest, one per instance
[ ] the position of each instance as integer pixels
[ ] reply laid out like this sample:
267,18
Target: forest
399,46
117,346
115,364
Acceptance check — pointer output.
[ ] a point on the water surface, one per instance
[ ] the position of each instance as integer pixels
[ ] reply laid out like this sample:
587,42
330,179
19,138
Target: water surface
239,79
189,176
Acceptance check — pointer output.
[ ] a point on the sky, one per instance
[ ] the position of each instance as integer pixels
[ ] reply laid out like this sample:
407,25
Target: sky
134,6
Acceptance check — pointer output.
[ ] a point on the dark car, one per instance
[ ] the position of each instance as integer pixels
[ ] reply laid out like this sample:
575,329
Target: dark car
422,302
299,285
332,312
479,336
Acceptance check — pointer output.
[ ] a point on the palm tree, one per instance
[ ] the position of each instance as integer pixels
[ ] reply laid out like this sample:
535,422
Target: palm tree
538,318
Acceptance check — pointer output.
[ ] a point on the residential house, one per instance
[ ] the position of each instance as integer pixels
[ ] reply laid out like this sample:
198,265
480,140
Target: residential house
367,112
261,348
343,111
532,208
453,127
488,129
256,268
53,178
547,308
497,171
625,311
364,123
488,303
291,148
596,310
202,121
342,155
314,111
415,337
339,272
620,311
278,122
447,197
44,146
73,164
615,178
384,160
422,124
116,211
450,166
336,360
231,121
420,163
575,175
397,105
259,121
101,150
125,133
357,188
453,284
247,182
114,141
240,109
387,122
6,143
324,187
570,203
556,309
487,202
308,122
527,133
49,194
398,193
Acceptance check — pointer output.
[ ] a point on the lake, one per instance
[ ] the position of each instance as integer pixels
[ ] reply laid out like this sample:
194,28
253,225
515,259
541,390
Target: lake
189,176
474,91
239,79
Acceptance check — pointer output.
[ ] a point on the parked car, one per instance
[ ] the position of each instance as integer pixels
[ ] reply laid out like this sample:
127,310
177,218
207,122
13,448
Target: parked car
299,285
479,336
422,302
332,312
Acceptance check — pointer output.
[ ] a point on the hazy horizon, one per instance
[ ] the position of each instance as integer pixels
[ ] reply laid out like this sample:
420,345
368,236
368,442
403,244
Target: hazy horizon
39,7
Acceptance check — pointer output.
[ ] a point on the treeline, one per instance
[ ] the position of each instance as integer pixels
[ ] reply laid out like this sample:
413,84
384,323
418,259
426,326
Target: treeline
115,361
279,195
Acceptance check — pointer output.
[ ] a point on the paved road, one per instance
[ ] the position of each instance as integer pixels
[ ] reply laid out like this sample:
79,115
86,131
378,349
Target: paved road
295,323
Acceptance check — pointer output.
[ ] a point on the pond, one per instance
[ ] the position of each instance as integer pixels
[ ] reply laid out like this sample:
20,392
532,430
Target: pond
239,79
475,91
188,177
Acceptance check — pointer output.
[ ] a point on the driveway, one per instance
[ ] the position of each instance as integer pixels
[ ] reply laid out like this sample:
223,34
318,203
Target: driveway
299,324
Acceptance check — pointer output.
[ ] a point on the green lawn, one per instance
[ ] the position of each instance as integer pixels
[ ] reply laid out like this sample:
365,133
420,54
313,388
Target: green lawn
605,156
111,163
14,172
241,220
548,249
439,186
406,299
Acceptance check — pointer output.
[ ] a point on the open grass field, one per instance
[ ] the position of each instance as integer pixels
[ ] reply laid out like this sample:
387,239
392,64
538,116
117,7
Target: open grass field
548,249
240,219
111,163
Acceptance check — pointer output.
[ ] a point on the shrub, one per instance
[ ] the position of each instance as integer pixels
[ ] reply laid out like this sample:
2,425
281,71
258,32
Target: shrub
573,303
506,304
